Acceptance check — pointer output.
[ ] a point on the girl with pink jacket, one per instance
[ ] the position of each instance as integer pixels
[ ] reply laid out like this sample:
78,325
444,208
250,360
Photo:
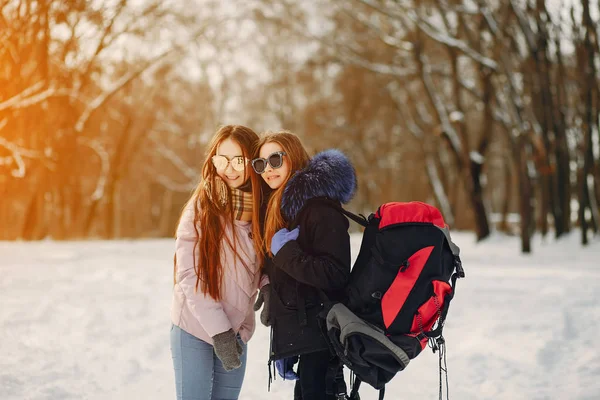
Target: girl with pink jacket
217,271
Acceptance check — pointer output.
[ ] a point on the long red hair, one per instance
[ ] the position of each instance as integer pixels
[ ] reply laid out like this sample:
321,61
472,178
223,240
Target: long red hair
298,158
211,214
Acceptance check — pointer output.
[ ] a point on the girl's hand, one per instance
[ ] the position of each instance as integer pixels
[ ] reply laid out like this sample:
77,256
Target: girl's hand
281,237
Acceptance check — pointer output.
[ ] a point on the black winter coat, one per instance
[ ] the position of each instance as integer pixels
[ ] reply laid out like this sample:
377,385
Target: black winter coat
316,266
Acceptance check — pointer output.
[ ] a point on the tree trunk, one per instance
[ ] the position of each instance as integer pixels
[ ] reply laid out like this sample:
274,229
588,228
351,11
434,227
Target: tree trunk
482,227
31,218
525,199
476,165
438,189
589,119
165,215
508,185
563,181
544,199
583,203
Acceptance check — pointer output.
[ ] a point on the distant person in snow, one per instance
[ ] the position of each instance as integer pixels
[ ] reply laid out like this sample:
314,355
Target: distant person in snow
217,271
308,257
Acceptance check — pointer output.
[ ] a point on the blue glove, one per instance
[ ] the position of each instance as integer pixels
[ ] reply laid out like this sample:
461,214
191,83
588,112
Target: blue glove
281,237
285,368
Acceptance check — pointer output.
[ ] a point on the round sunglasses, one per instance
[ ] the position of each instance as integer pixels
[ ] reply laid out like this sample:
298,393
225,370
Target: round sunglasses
275,160
238,163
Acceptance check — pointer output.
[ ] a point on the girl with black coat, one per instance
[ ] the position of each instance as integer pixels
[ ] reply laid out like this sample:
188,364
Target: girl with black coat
307,256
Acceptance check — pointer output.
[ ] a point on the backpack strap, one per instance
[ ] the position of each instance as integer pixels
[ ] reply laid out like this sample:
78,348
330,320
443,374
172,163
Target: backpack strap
354,393
359,219
460,273
355,387
334,380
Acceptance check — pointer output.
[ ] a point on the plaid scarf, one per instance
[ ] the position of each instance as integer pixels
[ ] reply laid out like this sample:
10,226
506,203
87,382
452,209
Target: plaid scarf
241,198
242,205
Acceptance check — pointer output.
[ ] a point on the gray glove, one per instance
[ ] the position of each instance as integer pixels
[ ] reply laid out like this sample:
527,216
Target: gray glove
228,349
264,296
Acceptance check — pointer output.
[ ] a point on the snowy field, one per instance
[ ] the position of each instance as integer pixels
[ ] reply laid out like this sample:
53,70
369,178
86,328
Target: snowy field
90,320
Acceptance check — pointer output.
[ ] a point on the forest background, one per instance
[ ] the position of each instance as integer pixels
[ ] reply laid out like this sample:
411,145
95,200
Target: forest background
487,109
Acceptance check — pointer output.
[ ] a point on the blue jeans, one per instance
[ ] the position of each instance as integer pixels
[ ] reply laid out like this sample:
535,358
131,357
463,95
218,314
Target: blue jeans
199,374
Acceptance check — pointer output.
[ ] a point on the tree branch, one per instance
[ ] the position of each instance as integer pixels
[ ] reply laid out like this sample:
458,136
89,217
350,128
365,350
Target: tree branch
22,95
104,162
100,100
17,153
439,106
427,28
168,183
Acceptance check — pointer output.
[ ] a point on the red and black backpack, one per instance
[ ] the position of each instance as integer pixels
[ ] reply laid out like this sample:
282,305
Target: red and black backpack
399,293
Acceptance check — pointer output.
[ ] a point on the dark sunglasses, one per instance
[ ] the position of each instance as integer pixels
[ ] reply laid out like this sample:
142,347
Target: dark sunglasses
275,160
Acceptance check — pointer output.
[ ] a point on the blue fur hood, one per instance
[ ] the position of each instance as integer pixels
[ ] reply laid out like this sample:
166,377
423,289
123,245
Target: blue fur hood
328,174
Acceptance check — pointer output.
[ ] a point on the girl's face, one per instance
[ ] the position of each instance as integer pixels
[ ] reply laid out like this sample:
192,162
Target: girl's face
231,168
274,176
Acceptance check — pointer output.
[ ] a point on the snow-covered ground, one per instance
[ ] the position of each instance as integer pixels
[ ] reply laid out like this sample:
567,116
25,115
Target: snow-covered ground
90,320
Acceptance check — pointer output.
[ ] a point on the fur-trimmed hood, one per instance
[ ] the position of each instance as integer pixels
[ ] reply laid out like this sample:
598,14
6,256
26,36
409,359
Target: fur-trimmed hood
328,174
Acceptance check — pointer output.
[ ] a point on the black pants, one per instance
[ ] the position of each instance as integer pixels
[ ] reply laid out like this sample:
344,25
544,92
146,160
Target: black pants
315,375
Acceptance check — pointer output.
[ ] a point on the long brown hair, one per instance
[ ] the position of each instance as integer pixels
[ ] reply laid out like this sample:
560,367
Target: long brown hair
211,214
298,159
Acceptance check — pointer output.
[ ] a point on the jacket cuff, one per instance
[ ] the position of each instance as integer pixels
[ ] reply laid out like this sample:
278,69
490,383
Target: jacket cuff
264,281
218,323
248,326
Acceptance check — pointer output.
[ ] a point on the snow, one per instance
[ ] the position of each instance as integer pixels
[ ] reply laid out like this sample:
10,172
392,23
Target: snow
456,116
90,320
476,157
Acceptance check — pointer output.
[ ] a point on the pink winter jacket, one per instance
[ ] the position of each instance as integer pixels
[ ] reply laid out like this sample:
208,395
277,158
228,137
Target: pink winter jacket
199,314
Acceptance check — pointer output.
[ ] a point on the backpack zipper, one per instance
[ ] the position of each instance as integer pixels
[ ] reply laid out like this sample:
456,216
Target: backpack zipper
378,295
404,266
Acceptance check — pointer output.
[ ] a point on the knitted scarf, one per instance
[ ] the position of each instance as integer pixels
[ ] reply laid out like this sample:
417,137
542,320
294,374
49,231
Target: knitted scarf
241,198
242,204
